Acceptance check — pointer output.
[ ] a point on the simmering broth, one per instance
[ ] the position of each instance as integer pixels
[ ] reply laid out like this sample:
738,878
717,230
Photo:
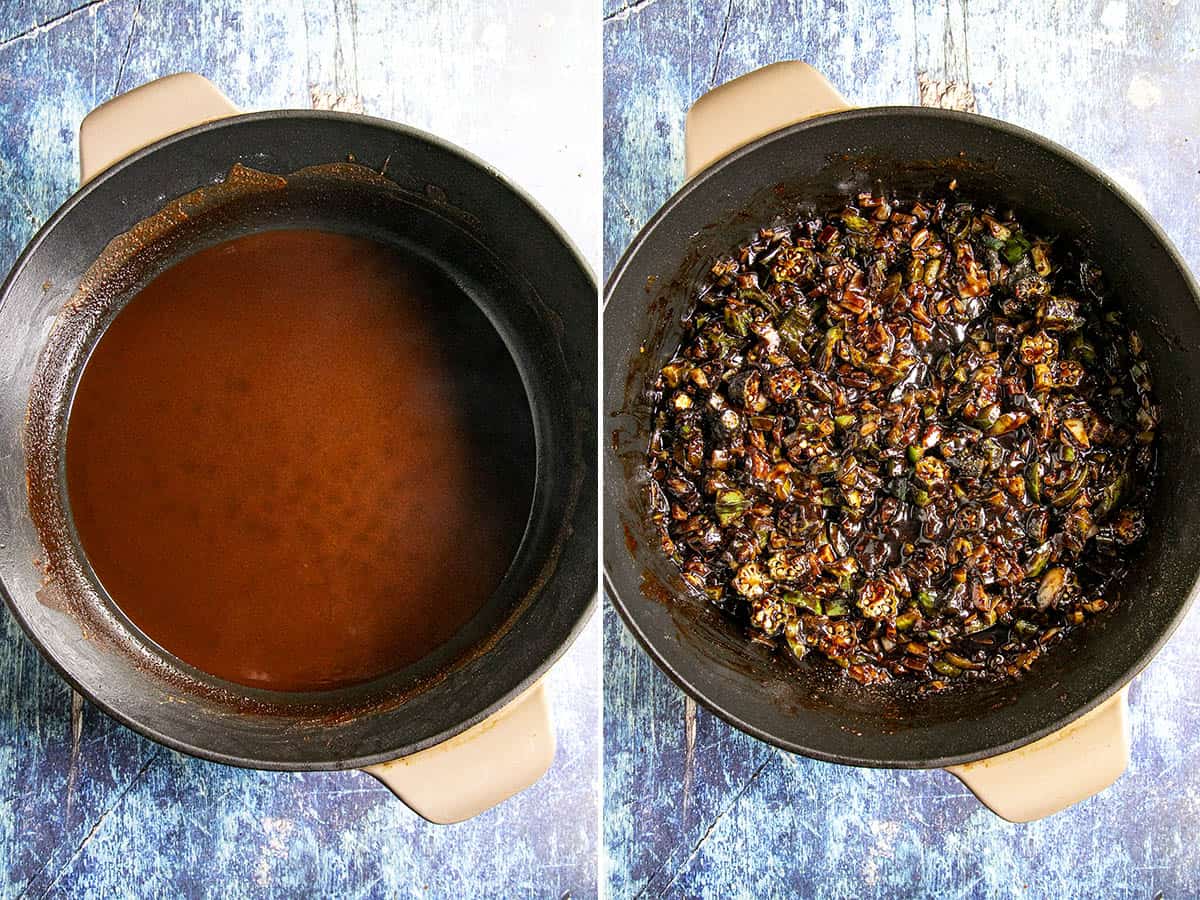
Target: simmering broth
300,460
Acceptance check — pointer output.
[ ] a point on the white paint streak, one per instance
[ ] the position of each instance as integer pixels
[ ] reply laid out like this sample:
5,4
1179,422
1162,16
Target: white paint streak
689,752
886,833
1144,93
626,11
1112,20
277,833
49,24
870,872
76,736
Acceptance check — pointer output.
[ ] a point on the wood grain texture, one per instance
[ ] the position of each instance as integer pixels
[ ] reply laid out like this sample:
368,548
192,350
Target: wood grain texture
695,808
89,809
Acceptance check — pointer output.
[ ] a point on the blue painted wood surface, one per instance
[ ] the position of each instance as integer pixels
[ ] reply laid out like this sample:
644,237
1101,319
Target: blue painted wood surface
89,809
695,808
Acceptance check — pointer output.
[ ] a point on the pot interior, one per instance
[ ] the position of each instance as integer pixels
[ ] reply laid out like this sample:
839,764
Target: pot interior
342,199
817,166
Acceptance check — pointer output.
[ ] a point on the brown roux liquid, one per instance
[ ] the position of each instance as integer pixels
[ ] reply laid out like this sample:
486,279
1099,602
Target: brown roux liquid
300,460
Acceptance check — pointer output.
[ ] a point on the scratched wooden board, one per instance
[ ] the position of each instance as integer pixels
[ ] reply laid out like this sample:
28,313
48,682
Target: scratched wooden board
694,807
87,808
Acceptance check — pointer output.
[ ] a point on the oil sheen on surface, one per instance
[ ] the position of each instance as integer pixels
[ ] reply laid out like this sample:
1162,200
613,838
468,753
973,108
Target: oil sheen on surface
300,460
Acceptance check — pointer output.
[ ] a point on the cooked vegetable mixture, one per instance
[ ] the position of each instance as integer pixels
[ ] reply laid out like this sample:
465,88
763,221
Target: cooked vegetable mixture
913,439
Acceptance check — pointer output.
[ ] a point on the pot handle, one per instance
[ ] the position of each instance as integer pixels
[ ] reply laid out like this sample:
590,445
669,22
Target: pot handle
1059,770
486,764
752,105
131,121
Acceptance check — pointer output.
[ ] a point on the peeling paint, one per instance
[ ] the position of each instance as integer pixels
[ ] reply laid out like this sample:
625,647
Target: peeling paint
1144,93
1113,20
945,94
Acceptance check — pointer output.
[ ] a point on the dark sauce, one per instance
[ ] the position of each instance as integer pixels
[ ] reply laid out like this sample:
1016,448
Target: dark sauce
300,460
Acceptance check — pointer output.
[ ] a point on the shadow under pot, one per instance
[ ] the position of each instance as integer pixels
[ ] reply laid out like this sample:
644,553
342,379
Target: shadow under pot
779,146
301,465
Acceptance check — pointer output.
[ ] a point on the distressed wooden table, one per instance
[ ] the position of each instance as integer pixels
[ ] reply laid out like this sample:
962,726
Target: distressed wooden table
88,808
695,808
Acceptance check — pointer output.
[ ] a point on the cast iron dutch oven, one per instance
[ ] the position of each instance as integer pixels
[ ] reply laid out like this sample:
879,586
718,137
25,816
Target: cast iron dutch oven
818,163
396,185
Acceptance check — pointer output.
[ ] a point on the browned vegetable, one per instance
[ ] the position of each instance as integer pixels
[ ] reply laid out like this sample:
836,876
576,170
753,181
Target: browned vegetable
914,438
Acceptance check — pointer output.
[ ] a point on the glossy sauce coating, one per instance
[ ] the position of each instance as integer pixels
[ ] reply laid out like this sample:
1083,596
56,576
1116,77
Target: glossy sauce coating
911,438
300,460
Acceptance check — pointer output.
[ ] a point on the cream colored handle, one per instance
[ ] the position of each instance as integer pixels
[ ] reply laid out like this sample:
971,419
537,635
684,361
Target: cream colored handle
1059,770
139,117
485,765
757,103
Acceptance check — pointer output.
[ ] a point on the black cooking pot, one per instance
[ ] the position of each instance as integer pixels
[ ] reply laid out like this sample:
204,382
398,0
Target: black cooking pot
371,178
816,164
